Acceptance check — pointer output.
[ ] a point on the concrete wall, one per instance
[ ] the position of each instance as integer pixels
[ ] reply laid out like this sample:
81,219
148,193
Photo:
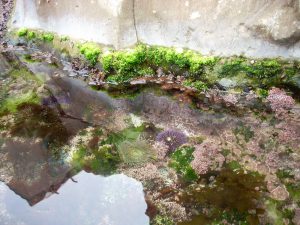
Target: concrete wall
257,28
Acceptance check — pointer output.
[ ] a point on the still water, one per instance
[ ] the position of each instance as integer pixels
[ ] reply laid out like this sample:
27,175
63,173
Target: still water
113,200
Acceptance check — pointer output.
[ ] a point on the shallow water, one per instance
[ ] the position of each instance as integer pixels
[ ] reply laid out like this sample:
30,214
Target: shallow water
72,127
86,199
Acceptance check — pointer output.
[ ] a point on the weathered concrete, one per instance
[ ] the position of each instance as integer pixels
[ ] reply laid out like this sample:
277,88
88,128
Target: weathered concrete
257,28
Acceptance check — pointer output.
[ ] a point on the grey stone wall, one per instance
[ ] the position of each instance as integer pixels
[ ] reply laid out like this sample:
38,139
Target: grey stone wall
260,28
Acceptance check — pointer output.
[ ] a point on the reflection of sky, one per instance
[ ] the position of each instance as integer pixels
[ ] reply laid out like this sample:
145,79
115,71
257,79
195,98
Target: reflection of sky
94,200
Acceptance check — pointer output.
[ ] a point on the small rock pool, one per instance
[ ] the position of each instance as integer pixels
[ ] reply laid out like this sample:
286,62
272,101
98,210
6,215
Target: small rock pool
148,152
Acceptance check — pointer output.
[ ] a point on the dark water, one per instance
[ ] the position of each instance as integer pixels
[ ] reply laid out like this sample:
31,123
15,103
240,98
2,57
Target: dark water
87,199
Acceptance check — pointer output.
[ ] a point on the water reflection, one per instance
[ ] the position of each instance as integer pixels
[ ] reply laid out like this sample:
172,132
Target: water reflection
86,199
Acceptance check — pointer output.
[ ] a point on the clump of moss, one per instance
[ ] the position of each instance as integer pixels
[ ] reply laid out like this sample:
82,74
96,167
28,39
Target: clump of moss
31,35
124,65
180,161
22,32
199,85
47,37
90,51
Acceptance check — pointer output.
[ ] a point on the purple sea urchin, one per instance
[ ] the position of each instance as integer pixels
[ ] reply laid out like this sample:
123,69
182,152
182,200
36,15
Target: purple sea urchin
172,138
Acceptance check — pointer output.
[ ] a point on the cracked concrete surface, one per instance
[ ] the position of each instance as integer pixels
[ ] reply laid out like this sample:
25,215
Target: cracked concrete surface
259,28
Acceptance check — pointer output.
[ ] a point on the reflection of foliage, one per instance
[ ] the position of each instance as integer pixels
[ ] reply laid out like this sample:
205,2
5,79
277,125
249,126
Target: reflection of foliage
180,161
244,131
32,120
10,105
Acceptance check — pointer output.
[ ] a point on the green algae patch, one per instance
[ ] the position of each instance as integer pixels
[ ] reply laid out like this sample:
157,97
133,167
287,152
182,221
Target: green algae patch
180,160
199,71
90,51
47,37
22,32
101,160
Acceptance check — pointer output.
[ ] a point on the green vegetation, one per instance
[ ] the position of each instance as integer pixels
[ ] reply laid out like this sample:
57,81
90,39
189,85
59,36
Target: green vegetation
47,37
22,32
162,220
180,161
90,51
200,71
102,160
199,85
31,35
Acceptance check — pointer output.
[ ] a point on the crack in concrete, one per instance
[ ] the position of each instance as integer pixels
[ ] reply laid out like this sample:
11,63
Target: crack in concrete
134,20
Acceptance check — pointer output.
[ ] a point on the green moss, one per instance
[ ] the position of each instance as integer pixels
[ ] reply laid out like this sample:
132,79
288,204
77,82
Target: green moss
180,161
147,71
22,32
264,69
232,67
199,85
31,35
47,37
90,51
198,63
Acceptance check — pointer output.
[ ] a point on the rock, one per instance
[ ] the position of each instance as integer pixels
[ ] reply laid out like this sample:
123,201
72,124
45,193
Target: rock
280,193
139,81
227,83
296,219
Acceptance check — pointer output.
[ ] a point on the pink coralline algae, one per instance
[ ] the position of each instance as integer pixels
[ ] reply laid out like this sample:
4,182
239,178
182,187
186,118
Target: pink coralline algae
207,157
172,138
230,99
279,100
272,160
161,149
